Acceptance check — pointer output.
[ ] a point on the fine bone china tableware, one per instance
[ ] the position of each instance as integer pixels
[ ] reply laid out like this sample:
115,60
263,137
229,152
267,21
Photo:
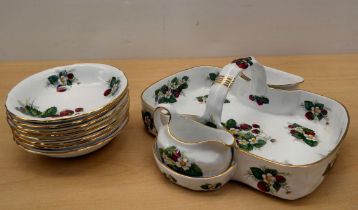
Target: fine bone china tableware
70,130
287,139
194,183
73,140
68,111
192,148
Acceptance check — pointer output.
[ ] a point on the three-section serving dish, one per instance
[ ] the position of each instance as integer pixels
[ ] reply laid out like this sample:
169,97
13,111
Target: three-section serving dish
286,139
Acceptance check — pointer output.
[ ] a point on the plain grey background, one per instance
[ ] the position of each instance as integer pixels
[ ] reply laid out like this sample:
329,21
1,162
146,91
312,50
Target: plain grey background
96,29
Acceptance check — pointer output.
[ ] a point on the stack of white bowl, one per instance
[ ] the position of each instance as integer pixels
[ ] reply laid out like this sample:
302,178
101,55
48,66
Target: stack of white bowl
70,110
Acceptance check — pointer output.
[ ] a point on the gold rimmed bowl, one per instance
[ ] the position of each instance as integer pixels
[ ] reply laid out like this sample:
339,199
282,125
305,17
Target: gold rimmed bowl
68,108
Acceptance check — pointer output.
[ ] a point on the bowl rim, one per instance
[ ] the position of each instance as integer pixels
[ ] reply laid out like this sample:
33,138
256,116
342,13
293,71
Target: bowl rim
72,117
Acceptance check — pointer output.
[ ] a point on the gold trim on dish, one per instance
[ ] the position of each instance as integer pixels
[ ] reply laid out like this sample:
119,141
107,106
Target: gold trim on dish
81,137
87,137
65,124
114,135
92,138
71,118
224,80
73,129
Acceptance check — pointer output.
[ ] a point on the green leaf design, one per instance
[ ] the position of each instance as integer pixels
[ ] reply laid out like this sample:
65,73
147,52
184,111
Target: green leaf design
32,111
260,143
319,105
164,88
257,173
248,136
62,73
172,99
49,112
319,116
53,79
271,171
213,76
276,186
246,147
231,123
207,186
171,90
175,80
162,100
200,98
194,171
113,82
310,142
265,100
298,135
308,105
170,150
161,151
183,86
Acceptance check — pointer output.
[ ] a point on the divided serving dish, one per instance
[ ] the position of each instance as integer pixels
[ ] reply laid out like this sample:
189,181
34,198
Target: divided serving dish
286,139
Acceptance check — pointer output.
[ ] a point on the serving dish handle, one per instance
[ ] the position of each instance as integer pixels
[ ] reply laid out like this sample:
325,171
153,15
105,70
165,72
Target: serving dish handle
223,83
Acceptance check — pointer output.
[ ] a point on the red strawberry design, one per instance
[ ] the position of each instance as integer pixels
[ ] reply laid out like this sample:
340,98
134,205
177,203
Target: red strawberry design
260,102
245,127
255,126
251,97
66,112
70,76
263,186
243,65
61,88
310,133
309,115
176,155
79,109
176,93
290,126
107,92
255,131
280,179
324,112
293,132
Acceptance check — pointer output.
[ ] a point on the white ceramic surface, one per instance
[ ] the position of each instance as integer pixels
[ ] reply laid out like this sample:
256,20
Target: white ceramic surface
81,151
77,86
195,183
192,148
291,132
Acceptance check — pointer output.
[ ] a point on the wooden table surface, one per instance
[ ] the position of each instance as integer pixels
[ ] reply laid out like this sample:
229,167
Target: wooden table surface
123,174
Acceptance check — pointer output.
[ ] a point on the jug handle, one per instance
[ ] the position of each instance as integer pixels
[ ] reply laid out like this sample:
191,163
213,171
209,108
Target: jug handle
222,85
158,123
